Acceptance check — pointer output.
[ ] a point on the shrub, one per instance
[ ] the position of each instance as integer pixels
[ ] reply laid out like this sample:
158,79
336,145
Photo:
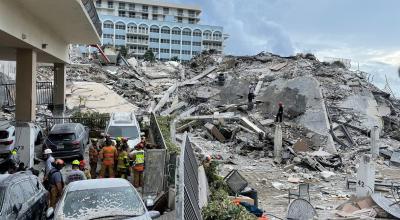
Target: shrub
339,64
164,123
149,56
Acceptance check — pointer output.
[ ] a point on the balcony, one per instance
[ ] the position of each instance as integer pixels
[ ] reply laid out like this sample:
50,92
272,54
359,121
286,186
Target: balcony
137,51
138,31
137,41
91,10
209,38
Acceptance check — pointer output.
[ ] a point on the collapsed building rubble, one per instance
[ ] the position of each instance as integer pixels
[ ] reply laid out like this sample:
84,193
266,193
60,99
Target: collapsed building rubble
329,112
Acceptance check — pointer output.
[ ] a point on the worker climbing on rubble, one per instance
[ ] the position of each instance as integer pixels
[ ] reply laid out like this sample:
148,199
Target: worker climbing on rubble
137,157
75,174
279,116
108,155
84,169
56,182
251,95
123,162
93,157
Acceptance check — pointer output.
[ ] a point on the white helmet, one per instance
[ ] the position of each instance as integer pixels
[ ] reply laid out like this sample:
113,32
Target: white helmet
48,151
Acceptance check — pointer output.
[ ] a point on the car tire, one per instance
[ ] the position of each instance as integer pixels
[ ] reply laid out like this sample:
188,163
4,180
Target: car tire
39,139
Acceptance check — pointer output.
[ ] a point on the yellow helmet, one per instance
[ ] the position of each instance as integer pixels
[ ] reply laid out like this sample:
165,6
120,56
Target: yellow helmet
118,139
75,162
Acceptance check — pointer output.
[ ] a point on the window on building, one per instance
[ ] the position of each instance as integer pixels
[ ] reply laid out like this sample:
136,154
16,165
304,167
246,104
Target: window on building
108,25
98,3
176,31
121,5
155,40
191,13
154,29
166,11
165,41
155,50
187,52
121,13
120,26
180,20
175,51
164,50
108,36
191,21
145,8
155,17
185,42
132,14
176,42
131,7
145,16
186,32
165,31
110,4
197,33
196,43
120,37
195,53
155,9
180,12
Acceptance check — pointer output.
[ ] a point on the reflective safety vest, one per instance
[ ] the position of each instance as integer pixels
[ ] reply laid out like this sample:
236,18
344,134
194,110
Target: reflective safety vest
139,157
108,155
122,157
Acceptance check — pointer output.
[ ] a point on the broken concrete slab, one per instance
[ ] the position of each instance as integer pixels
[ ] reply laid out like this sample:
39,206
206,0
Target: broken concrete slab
278,66
173,108
215,132
395,159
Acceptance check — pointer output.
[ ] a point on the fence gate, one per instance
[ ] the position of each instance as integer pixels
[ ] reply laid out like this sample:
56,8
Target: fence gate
44,94
187,185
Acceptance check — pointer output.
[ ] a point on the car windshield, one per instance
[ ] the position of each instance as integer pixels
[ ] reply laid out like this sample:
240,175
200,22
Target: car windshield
61,137
2,193
123,131
95,203
3,134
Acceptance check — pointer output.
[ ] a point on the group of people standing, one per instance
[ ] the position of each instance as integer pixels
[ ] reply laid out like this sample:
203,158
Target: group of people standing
114,156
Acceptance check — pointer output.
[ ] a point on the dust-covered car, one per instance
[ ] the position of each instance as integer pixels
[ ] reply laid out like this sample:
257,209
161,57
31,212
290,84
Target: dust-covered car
111,198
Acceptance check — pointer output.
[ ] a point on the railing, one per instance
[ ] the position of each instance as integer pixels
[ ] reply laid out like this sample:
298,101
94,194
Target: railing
135,31
137,41
187,185
44,94
137,51
91,10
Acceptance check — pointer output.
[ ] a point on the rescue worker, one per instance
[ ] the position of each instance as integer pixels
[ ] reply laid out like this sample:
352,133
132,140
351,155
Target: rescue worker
279,116
48,166
118,142
93,157
251,95
138,164
82,167
75,174
56,182
123,162
108,155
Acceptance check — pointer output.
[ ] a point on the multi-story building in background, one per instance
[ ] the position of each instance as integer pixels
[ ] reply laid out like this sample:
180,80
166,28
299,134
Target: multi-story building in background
169,30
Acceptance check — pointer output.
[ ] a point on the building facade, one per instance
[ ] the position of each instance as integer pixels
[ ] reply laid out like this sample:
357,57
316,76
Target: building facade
169,30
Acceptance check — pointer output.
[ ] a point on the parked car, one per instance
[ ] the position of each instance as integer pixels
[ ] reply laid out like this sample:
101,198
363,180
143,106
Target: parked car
22,196
67,140
7,143
111,199
124,124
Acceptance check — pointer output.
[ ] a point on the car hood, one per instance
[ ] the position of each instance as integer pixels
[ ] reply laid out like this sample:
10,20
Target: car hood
133,142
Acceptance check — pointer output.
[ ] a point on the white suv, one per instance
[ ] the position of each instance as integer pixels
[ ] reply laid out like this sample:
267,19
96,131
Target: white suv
7,137
124,124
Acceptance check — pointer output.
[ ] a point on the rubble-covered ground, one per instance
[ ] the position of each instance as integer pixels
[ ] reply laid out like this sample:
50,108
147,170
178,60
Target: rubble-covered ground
328,115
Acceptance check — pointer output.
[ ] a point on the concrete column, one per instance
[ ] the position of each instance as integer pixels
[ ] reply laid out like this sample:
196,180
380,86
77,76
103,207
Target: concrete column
365,177
374,142
59,89
25,101
278,144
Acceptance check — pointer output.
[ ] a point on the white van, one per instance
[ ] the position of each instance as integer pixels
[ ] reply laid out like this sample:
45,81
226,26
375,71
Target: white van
124,124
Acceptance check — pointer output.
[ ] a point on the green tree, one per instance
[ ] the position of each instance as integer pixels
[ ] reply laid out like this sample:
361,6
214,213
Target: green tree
149,56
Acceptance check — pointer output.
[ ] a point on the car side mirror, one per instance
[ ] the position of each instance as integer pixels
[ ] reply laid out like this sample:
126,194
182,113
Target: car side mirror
50,213
154,214
17,208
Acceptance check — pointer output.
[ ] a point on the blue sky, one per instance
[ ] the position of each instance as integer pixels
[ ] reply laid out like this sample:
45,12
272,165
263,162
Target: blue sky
365,31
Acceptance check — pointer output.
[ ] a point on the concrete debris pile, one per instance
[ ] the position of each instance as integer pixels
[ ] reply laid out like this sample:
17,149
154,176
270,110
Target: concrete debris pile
328,115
